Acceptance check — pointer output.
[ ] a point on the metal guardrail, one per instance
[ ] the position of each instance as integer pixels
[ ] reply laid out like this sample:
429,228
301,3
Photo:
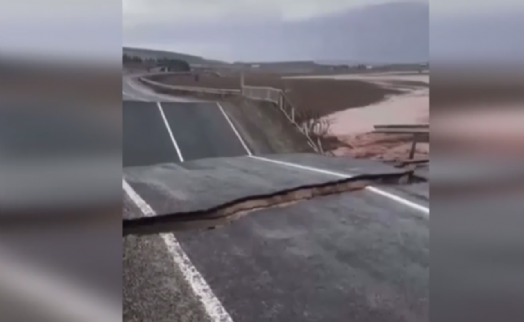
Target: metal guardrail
408,126
403,128
206,90
262,93
417,130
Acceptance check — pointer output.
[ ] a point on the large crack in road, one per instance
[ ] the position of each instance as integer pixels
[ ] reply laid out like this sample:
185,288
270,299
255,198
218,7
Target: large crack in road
225,213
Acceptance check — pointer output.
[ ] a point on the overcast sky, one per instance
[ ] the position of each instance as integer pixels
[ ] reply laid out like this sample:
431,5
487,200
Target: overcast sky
100,27
149,23
186,25
170,11
191,11
160,23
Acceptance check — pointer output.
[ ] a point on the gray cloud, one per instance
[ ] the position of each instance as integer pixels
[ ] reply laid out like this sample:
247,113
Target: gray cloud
287,30
195,11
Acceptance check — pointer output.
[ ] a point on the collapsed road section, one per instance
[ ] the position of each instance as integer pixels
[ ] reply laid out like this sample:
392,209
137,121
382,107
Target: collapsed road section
207,183
315,245
232,210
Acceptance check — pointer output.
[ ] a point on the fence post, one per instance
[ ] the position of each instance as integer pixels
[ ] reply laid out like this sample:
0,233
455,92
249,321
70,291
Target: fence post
413,147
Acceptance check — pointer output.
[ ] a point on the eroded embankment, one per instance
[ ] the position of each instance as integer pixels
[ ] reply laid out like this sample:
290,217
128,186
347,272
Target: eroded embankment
265,127
230,211
262,124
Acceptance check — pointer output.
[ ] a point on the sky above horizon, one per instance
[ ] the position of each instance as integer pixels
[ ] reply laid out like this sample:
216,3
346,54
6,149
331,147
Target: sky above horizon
136,12
98,28
157,24
186,26
190,11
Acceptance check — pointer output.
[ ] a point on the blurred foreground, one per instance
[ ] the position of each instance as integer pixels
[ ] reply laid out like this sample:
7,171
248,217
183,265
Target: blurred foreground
477,179
60,190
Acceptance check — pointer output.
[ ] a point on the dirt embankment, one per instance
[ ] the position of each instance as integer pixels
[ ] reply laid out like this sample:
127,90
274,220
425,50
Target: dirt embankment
265,128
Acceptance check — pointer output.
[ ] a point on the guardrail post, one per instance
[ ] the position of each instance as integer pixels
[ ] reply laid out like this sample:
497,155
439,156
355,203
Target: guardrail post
413,147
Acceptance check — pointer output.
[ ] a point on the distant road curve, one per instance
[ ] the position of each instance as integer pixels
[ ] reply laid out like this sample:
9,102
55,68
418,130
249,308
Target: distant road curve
132,89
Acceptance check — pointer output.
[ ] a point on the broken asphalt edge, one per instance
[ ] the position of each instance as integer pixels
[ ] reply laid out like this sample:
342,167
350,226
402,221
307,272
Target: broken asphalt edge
227,212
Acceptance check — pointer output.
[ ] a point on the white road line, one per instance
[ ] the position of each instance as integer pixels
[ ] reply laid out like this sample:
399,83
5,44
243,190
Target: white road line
235,130
203,292
170,132
381,192
305,167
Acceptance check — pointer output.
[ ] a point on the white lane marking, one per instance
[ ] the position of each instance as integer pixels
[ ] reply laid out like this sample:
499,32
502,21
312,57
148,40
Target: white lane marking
398,199
235,130
170,132
304,167
378,191
203,292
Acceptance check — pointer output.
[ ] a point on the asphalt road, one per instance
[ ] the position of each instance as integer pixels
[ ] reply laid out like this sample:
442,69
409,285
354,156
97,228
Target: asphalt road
169,132
336,258
359,256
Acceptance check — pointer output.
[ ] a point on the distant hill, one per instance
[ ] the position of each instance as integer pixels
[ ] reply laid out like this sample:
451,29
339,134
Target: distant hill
158,54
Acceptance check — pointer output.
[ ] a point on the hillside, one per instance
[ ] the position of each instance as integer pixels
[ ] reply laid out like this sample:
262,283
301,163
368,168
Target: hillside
156,54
